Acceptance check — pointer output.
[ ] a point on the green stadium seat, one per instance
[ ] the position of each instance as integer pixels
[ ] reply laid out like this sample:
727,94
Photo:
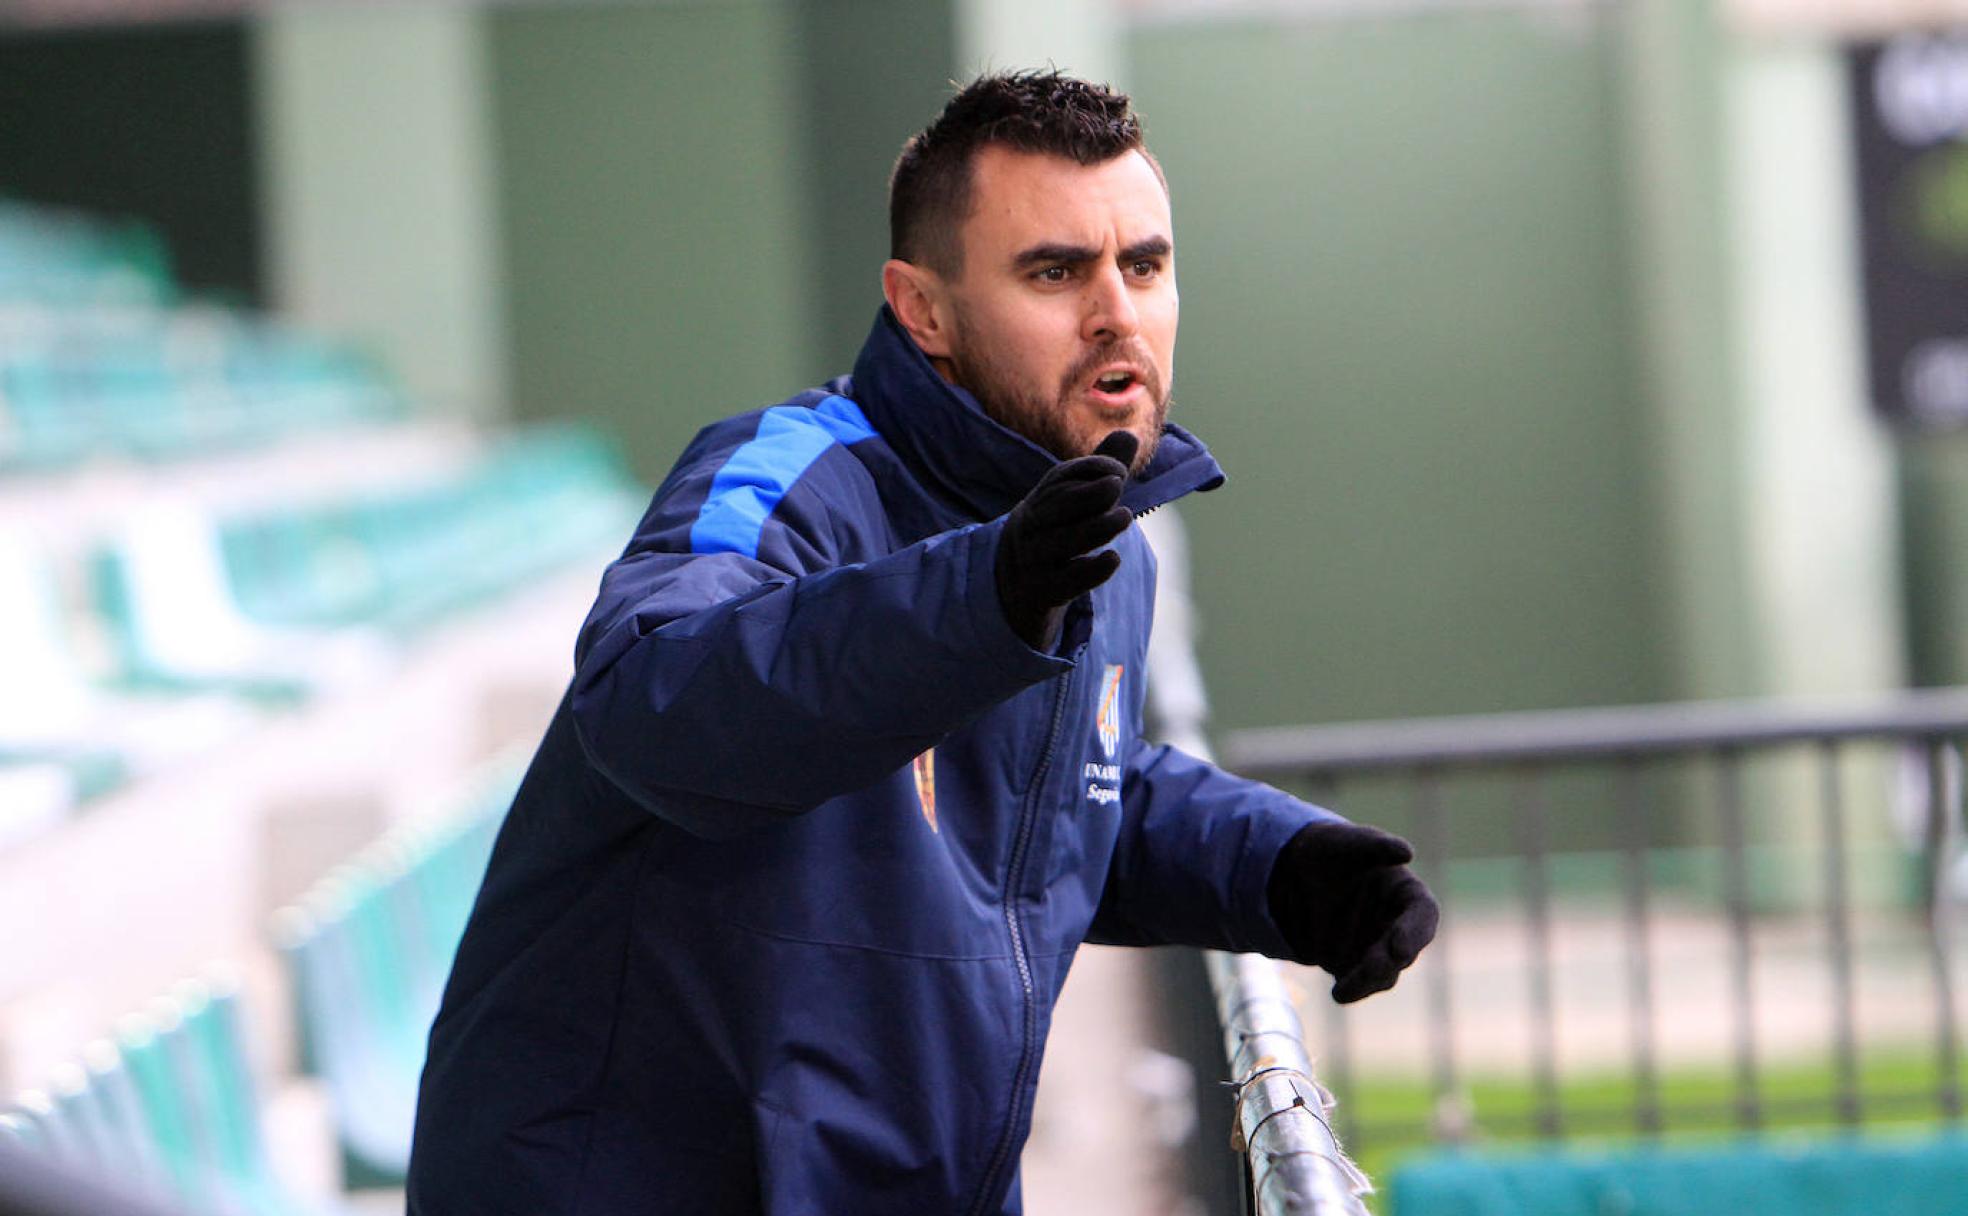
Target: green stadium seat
99,356
142,1039
50,1131
163,588
215,1073
404,561
38,427
124,1128
1824,1176
362,1042
274,603
169,1111
62,258
53,713
368,951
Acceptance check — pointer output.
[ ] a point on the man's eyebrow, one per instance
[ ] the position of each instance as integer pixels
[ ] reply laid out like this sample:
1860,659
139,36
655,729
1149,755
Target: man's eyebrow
1074,255
1071,255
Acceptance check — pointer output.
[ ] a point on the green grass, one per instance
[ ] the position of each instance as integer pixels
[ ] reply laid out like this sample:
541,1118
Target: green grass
1386,1118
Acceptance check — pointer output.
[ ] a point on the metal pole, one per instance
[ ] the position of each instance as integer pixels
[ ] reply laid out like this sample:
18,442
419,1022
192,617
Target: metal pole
1736,895
1838,932
1940,813
1605,734
1284,1116
1449,1118
1639,952
1537,914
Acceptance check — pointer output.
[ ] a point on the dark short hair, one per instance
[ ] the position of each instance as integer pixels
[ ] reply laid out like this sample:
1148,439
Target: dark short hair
929,193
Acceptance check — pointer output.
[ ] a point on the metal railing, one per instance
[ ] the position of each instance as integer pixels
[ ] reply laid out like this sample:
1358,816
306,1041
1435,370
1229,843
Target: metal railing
1293,1162
1594,847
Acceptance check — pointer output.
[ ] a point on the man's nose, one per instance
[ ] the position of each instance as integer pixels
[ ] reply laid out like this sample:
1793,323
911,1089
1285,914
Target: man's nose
1110,314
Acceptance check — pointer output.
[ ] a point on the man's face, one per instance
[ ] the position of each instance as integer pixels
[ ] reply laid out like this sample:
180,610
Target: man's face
1064,315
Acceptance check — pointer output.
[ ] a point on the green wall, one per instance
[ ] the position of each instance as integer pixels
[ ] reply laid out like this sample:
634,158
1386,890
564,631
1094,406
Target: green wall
872,73
378,190
1407,330
1406,335
694,198
656,243
1470,318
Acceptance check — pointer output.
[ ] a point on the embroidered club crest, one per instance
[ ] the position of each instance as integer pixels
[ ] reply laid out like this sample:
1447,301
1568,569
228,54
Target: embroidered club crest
1108,721
925,770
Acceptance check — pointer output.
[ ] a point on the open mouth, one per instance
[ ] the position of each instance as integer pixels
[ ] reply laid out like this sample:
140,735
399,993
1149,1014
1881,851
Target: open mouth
1115,383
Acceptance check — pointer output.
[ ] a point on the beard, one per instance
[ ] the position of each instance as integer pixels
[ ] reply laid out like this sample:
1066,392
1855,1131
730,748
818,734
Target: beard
1049,420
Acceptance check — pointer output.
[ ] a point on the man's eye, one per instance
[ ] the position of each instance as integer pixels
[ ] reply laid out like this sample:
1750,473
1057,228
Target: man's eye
1144,269
1053,274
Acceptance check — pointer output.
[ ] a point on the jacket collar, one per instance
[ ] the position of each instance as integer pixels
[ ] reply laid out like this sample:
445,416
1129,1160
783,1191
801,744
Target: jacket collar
980,466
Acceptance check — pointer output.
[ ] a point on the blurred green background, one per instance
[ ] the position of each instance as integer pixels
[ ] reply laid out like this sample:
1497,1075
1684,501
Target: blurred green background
1527,333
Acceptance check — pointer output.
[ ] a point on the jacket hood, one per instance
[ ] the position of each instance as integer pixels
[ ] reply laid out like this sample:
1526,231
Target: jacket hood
981,466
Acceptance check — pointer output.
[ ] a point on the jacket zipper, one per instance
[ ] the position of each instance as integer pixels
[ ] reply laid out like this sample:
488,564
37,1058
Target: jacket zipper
1014,880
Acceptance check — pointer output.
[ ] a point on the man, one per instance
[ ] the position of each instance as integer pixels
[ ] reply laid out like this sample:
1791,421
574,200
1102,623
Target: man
849,766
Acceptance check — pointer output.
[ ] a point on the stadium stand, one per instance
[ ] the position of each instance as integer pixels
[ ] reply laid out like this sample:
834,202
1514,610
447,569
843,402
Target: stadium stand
200,503
168,1109
368,950
172,1106
100,356
257,608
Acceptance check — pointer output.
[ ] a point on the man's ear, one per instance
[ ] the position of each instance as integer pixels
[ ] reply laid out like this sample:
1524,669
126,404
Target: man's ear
919,300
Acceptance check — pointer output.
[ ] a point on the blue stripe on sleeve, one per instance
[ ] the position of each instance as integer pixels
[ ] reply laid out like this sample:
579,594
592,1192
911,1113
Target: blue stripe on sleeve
757,476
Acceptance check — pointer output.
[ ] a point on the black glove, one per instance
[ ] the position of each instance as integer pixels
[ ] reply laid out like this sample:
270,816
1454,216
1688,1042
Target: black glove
1045,557
1344,898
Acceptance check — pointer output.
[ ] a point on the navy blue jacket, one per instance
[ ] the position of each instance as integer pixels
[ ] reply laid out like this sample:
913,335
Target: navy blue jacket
777,919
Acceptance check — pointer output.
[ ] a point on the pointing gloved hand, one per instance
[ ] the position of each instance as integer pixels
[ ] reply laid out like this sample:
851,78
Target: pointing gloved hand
1344,898
1046,555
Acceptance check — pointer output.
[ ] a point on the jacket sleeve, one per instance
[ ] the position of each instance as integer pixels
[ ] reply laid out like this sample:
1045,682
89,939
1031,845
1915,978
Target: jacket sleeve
723,690
1194,856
